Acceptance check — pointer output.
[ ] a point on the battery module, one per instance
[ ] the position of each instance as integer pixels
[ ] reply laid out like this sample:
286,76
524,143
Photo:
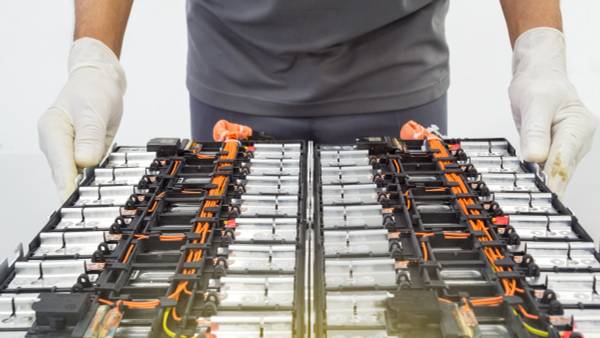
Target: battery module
417,236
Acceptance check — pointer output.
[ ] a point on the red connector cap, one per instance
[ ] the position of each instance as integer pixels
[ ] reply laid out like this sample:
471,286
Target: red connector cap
566,334
501,220
454,147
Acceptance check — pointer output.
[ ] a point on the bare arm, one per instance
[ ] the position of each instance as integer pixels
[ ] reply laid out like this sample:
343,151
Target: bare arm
523,15
104,20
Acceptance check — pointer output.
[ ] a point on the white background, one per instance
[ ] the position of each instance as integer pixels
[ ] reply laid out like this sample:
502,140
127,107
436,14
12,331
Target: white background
34,41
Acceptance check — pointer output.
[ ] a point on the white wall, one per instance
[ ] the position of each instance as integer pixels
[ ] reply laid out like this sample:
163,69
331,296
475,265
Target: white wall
35,37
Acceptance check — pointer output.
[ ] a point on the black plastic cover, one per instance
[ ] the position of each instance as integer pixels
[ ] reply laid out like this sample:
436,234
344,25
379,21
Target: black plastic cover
57,311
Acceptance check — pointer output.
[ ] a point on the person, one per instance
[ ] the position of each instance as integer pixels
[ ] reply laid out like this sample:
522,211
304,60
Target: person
324,70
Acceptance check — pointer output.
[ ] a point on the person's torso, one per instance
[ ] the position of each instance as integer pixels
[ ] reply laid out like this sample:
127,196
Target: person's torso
289,57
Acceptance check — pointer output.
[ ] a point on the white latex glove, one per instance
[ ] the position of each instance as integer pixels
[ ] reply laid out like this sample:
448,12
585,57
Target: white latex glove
77,130
556,128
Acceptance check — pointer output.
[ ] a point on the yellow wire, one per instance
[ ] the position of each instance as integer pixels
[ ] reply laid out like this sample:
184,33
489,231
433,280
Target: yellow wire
533,330
166,328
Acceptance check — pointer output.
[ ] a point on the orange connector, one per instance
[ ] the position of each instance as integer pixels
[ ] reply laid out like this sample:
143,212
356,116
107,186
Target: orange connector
224,130
412,130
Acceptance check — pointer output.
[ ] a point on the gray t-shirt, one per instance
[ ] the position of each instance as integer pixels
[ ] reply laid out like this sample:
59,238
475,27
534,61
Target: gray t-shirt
301,58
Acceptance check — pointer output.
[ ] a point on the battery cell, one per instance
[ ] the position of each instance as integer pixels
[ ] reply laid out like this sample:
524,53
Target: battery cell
260,166
105,195
356,308
119,176
274,154
257,257
70,243
265,205
16,311
352,216
266,229
131,159
530,227
542,279
349,194
553,255
48,274
258,185
347,175
496,164
261,291
485,148
337,147
243,324
372,272
281,148
510,182
100,218
574,289
516,203
367,242
344,158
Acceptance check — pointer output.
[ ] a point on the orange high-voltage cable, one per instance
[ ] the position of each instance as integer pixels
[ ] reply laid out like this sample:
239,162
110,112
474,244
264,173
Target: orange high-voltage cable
413,130
220,181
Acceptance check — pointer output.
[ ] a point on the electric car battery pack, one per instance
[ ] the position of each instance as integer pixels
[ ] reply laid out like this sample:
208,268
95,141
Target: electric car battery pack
384,237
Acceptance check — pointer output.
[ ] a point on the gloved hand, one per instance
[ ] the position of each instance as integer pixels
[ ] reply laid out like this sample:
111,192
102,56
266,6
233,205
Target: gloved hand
77,130
556,128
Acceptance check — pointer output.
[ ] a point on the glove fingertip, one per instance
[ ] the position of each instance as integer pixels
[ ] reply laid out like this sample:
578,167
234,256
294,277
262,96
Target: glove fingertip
534,152
86,157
